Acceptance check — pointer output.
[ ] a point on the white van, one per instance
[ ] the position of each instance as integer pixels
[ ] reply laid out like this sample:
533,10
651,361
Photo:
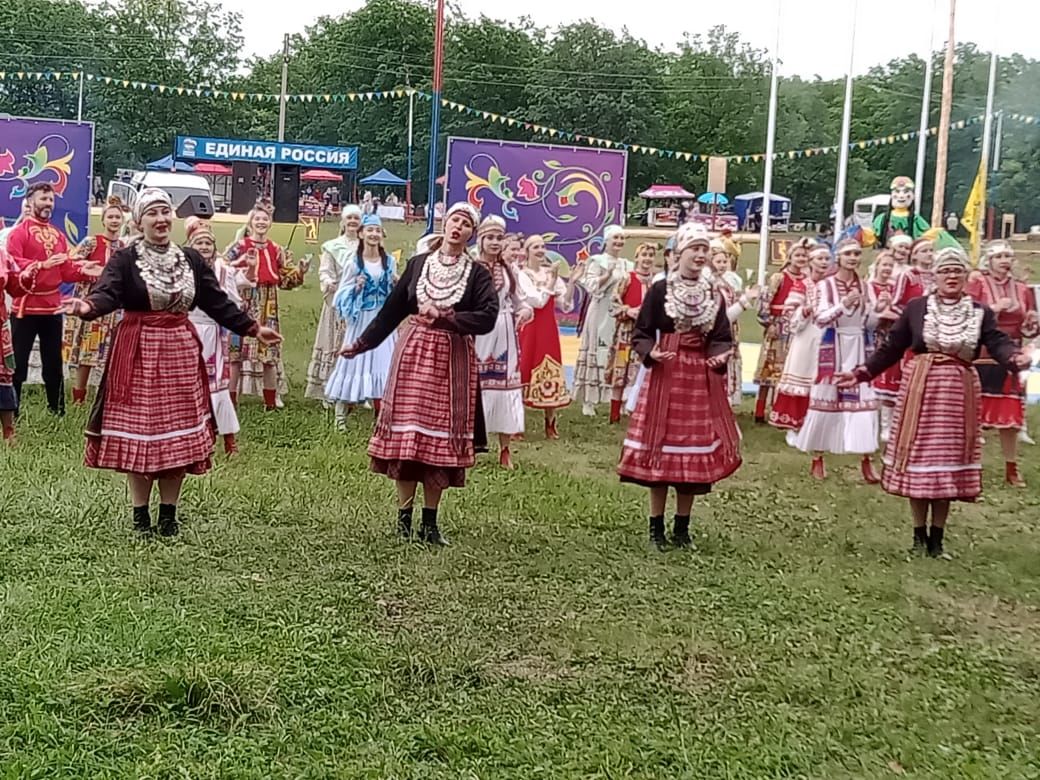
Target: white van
865,209
179,186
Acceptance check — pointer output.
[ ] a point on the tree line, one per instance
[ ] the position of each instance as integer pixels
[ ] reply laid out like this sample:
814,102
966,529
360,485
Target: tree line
707,94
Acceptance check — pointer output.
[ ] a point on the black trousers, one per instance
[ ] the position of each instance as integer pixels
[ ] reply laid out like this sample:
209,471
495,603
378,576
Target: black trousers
24,331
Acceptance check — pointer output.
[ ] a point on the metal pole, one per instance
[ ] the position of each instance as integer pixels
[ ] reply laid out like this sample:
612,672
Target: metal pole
942,147
926,99
846,127
411,138
996,141
283,97
987,134
435,119
79,106
767,184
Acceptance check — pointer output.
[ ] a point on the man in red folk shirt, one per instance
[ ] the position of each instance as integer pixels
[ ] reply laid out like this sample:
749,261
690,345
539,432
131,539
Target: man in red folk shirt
40,252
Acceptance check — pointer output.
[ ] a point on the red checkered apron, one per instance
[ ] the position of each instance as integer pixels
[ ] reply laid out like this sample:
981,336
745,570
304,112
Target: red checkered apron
682,433
426,425
935,450
152,414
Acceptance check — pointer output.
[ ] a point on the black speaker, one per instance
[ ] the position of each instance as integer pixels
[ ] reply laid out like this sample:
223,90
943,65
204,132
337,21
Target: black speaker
195,206
287,193
243,187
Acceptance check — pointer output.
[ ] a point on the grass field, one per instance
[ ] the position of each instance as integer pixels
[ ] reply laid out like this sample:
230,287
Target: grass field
286,634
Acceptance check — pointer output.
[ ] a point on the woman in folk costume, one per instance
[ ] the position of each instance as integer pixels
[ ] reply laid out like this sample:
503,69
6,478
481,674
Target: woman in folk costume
884,282
336,255
10,284
541,369
730,286
431,423
772,316
498,351
88,342
513,251
365,286
670,264
152,418
842,420
622,362
935,453
1003,392
275,271
682,434
216,340
599,278
803,350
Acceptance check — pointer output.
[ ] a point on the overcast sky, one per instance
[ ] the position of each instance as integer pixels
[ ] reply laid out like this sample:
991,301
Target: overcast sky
814,34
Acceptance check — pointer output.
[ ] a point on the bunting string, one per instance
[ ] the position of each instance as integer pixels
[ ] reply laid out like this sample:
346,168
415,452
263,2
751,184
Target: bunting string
489,116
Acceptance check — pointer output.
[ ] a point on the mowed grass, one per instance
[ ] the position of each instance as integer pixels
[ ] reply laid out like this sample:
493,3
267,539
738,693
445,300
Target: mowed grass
287,634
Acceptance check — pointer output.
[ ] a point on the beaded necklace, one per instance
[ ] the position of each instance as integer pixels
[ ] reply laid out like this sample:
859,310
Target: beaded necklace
952,327
443,279
167,276
691,303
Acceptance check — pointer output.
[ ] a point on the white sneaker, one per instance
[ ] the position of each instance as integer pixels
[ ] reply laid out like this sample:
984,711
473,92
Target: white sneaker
588,410
1024,437
278,402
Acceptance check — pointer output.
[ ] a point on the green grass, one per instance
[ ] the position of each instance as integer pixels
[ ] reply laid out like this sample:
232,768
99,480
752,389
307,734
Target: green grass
287,634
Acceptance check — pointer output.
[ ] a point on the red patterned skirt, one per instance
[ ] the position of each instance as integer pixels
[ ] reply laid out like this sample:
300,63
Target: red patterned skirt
430,424
1003,396
682,433
152,413
935,449
541,364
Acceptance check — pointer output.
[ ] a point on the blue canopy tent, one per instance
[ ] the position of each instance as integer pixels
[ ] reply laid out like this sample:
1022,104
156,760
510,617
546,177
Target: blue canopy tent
167,164
750,203
383,178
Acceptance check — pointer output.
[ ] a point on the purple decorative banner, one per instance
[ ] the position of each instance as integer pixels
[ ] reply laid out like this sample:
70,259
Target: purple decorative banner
567,194
43,150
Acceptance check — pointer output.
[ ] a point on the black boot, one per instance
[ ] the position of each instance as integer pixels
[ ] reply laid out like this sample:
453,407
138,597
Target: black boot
681,531
168,520
429,532
142,520
920,540
935,541
657,532
404,523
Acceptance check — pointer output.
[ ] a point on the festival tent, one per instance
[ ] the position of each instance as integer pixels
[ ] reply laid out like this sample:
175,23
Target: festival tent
316,174
718,198
212,169
751,203
383,178
167,164
666,191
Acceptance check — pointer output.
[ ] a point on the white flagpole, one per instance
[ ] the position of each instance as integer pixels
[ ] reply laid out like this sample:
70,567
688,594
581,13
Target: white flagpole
767,184
846,126
926,98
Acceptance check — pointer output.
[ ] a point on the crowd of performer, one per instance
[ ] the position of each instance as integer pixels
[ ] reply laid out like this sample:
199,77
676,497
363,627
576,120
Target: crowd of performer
917,354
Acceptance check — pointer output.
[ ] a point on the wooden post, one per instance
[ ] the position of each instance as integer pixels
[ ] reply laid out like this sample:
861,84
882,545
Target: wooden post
943,144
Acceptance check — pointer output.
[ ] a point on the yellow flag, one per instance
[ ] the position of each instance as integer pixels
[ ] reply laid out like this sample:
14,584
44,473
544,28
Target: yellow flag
974,216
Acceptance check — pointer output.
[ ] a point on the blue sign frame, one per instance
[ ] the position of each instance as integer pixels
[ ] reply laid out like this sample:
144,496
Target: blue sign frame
195,148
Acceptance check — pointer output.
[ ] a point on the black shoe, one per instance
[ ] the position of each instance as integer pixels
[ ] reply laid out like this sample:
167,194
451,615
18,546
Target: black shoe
142,520
404,523
168,520
935,542
657,538
920,541
681,531
429,532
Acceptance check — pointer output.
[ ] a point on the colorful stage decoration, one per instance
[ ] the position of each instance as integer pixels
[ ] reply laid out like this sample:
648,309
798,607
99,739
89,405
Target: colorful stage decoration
567,194
489,116
59,153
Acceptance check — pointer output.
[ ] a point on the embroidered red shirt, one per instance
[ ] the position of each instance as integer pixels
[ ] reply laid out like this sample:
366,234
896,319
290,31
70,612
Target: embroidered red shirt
30,244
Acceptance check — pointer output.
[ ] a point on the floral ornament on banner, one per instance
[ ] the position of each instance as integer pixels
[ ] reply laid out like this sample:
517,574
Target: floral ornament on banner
489,116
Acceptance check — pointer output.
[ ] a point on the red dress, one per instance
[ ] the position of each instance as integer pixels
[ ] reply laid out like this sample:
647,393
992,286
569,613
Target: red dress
886,384
9,284
682,433
541,362
623,363
1003,392
776,335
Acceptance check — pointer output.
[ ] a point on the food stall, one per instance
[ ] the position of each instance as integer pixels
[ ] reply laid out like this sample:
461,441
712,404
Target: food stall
748,208
662,204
